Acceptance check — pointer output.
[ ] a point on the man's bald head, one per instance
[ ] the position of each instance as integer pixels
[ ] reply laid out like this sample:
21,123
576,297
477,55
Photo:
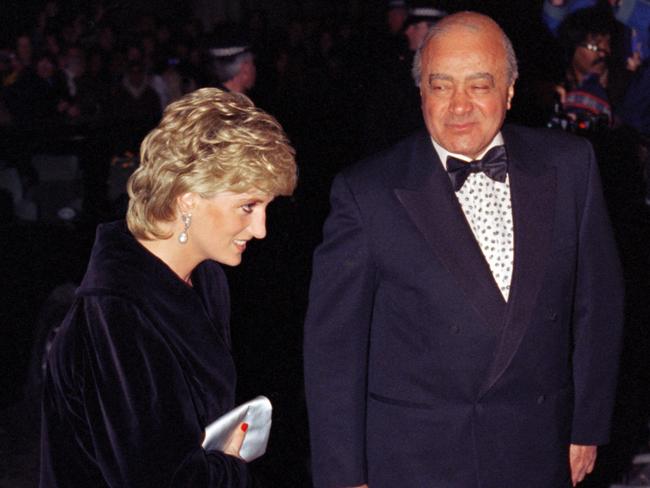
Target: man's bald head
466,71
473,22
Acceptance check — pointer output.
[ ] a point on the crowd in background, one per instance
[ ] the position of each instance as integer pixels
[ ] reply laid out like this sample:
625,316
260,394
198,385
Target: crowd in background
92,81
340,85
96,81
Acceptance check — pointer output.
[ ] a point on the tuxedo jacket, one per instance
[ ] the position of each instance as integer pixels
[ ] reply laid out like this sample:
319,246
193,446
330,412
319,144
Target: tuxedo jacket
418,373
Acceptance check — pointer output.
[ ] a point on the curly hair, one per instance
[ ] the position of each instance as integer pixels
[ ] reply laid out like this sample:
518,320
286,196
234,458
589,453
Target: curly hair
580,25
208,141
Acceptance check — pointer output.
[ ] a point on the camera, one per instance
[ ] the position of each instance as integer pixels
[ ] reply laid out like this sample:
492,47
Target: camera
577,122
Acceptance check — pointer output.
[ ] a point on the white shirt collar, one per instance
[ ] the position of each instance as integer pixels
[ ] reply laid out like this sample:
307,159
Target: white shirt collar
443,153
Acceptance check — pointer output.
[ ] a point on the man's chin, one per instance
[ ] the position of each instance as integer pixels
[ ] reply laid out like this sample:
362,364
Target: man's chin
468,150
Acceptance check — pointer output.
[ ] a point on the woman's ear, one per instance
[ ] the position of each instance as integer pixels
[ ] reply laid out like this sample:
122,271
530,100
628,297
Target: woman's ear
186,202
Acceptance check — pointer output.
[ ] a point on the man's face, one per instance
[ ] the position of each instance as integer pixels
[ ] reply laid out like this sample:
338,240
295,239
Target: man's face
396,17
74,62
590,57
249,74
464,87
136,76
24,48
415,33
44,68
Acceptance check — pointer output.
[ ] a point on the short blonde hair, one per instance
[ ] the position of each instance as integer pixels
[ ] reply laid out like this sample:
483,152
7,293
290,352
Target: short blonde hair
208,141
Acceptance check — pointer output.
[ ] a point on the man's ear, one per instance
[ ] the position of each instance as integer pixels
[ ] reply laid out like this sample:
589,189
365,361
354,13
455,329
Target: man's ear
511,93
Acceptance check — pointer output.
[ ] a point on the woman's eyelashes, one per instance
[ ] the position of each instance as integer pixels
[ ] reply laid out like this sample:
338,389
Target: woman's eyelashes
248,207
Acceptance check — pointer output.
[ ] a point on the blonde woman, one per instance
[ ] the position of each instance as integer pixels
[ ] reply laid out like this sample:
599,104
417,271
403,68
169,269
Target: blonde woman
142,361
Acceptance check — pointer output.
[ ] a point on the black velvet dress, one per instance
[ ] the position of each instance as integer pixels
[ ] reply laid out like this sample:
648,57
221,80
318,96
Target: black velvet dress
140,366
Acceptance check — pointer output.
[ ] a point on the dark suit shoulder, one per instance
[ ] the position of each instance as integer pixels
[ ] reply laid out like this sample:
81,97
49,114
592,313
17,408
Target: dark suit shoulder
390,167
553,146
538,132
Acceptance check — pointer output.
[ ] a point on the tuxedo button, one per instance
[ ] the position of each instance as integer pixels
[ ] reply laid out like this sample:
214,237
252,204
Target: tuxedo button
479,409
541,399
552,316
455,329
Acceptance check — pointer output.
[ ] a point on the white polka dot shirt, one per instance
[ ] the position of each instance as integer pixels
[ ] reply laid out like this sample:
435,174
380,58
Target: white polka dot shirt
487,207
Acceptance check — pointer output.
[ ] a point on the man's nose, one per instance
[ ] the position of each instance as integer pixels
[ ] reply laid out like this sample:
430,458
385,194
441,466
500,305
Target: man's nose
258,225
460,103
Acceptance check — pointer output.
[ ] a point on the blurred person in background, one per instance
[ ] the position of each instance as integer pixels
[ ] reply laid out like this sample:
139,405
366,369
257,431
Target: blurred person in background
598,80
420,19
396,16
86,96
37,99
585,37
392,104
135,102
232,66
634,14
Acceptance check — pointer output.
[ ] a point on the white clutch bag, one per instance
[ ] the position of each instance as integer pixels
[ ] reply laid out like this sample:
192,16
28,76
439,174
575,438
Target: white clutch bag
257,414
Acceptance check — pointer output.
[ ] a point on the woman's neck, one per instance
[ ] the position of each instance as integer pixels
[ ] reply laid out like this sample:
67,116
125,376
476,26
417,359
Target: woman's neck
175,255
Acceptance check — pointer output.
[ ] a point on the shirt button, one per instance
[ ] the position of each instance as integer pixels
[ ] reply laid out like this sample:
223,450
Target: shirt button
541,399
455,329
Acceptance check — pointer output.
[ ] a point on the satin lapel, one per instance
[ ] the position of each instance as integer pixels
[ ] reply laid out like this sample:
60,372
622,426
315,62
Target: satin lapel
532,190
434,209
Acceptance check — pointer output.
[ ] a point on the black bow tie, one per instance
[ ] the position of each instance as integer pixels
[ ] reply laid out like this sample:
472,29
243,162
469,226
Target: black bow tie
494,164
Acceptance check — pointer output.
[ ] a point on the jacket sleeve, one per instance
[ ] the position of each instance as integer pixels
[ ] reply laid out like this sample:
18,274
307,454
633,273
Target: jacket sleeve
597,317
336,344
116,396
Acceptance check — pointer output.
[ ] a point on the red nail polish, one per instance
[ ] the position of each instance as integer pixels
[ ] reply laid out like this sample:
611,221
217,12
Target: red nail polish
244,426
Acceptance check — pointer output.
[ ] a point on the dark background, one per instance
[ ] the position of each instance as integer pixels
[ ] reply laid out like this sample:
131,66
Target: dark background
269,289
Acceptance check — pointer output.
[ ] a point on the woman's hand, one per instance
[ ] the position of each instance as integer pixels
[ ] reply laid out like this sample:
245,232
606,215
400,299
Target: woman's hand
236,440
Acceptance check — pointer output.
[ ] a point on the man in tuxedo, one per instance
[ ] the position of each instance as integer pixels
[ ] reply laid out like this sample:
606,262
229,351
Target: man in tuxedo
465,311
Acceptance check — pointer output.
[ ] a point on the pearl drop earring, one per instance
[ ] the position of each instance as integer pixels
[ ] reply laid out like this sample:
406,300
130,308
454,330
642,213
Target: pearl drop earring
187,221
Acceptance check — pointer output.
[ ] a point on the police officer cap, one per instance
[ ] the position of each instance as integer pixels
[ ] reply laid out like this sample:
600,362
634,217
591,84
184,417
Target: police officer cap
424,13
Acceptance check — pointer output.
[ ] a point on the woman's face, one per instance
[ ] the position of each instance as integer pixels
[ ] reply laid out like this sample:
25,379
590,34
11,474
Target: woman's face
223,224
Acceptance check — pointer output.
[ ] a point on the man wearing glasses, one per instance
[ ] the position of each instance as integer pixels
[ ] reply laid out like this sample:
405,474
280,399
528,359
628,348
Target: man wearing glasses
585,37
634,14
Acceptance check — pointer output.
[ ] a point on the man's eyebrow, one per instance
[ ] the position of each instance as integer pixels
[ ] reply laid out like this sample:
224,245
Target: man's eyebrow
440,76
481,76
474,76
